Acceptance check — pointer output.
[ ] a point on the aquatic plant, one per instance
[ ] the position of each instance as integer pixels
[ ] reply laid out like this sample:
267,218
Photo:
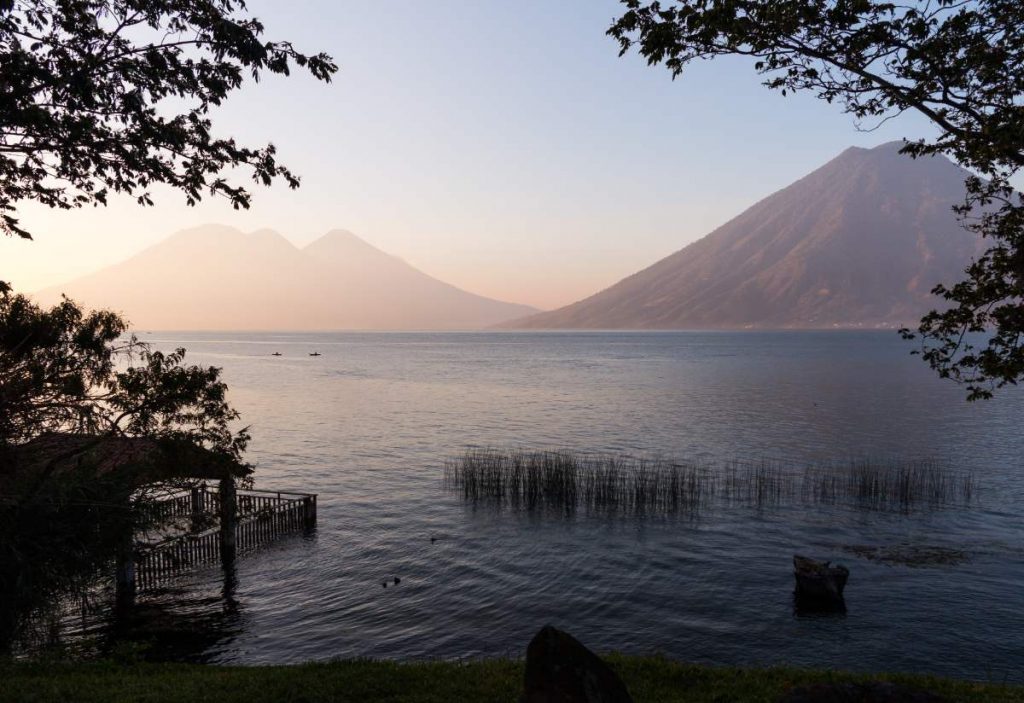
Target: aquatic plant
567,481
892,485
916,556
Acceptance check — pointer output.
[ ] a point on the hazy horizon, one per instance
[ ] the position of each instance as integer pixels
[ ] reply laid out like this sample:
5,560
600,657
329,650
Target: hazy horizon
857,243
217,277
507,151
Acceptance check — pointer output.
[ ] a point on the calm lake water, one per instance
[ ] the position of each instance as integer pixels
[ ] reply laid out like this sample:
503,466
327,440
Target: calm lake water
368,425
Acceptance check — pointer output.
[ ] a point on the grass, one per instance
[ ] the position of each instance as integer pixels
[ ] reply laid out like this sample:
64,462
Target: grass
648,679
567,481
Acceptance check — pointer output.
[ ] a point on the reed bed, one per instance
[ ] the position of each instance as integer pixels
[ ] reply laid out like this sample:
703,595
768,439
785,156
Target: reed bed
567,481
570,480
894,485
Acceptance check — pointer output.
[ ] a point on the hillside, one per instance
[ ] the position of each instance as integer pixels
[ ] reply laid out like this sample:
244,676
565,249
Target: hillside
219,278
860,242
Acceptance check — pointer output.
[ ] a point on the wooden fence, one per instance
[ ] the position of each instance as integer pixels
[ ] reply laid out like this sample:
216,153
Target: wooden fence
165,509
261,517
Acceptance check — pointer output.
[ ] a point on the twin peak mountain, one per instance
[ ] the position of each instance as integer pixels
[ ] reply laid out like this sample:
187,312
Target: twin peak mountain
219,278
860,242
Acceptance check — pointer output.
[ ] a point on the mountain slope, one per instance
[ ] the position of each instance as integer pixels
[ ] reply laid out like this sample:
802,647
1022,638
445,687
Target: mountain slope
219,278
861,241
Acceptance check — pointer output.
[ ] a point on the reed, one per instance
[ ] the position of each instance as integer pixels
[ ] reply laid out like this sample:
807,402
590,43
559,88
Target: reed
567,481
893,485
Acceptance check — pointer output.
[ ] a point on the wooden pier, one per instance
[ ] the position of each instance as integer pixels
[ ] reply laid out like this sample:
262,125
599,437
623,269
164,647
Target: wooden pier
241,521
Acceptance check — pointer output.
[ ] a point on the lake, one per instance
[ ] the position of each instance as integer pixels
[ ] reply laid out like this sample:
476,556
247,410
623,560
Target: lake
369,424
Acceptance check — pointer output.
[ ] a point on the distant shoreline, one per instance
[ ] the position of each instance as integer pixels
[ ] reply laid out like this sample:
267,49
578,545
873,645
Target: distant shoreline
524,330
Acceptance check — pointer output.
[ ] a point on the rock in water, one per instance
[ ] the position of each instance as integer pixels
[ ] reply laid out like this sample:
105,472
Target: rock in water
816,580
559,669
870,692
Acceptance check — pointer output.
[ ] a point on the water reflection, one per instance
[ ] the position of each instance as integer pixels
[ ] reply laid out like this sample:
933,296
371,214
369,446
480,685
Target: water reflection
369,425
184,622
804,607
177,624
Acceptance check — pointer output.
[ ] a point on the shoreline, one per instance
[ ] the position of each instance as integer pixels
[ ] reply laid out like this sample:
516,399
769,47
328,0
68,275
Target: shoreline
649,678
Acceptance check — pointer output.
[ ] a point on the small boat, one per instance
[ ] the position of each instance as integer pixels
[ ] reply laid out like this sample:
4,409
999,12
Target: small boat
276,354
314,353
820,581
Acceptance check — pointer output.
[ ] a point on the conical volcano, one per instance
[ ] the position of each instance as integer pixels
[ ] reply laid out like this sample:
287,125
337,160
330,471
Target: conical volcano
860,242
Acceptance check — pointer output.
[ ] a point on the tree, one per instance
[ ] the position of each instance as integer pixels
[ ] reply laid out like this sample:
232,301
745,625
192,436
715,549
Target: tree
66,371
94,426
69,371
959,63
101,96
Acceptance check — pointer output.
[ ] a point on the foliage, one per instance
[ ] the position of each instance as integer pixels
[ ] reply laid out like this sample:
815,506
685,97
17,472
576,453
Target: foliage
960,64
648,679
65,372
55,545
101,96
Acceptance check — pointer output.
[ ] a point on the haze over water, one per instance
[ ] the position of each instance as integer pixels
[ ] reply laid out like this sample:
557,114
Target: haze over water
368,425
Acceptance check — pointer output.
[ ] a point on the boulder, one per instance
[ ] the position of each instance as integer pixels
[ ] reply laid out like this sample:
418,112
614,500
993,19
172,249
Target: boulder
559,669
820,581
870,692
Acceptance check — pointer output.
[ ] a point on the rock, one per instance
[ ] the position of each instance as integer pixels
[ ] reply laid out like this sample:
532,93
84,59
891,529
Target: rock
870,692
559,669
816,580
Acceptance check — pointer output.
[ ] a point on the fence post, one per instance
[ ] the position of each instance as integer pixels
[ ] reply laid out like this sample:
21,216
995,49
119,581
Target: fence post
124,570
309,512
196,504
228,519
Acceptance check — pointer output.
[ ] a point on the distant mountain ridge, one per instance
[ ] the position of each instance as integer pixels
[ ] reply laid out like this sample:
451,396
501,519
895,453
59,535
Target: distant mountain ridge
219,278
859,242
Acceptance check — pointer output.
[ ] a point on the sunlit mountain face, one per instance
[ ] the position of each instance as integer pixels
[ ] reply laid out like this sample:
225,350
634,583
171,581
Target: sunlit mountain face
860,242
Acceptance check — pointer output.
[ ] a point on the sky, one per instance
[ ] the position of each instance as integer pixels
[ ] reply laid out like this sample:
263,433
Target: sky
502,147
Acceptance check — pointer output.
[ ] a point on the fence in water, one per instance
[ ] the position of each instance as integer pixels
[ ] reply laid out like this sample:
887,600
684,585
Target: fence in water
261,517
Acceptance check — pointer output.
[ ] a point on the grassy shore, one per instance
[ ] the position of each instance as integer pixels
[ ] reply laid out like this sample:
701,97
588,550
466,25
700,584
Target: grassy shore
648,678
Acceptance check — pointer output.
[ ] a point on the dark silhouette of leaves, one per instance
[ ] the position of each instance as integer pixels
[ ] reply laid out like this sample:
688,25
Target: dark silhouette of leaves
102,96
65,370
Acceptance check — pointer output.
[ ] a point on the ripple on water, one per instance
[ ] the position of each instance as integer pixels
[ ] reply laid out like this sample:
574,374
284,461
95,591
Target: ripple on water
369,425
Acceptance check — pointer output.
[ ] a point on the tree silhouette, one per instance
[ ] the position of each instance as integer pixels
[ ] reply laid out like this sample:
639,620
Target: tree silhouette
94,427
101,96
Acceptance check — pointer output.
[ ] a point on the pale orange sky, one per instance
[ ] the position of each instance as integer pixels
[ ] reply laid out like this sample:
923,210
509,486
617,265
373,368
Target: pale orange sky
506,150
541,266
